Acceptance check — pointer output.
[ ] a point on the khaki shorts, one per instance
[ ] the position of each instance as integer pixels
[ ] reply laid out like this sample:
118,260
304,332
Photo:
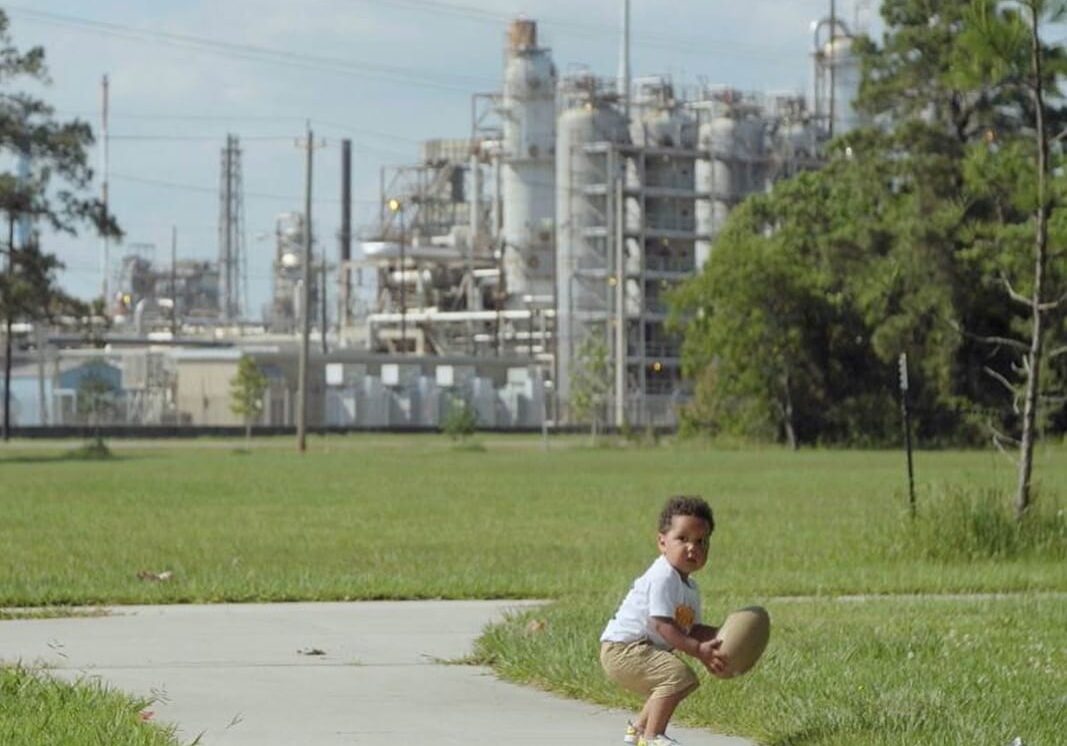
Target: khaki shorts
644,669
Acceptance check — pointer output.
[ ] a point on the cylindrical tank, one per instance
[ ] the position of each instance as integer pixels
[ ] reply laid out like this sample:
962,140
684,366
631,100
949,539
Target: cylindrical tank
714,172
584,186
733,165
528,165
845,63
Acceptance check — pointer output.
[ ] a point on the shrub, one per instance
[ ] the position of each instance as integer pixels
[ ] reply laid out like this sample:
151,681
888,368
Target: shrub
460,422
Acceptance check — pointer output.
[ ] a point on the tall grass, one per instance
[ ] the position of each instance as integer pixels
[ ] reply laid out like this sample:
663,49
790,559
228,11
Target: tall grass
966,524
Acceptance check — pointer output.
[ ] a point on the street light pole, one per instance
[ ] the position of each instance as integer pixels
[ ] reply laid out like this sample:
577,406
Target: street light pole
397,206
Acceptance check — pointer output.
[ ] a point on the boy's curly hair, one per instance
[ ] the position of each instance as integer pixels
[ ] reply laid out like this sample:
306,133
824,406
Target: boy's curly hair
685,505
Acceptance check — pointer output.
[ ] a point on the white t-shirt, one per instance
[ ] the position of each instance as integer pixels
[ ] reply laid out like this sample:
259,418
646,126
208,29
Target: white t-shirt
660,592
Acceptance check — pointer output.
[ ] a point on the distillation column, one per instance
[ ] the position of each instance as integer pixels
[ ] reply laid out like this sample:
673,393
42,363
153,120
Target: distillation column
528,168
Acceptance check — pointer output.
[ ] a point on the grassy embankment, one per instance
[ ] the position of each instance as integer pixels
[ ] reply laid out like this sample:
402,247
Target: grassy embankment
392,517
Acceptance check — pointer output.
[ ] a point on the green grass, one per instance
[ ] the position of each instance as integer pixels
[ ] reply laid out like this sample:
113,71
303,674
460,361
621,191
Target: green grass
374,517
37,710
878,672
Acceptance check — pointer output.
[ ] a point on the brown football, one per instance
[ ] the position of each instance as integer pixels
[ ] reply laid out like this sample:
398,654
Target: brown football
744,636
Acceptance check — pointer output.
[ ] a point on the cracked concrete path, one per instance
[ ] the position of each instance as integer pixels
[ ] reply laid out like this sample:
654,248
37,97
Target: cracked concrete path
316,674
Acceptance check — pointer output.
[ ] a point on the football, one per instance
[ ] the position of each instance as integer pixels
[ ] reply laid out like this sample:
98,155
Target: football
744,636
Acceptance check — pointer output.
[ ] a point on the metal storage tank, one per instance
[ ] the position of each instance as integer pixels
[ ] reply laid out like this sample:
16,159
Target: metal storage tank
528,167
660,121
845,63
717,138
734,140
584,185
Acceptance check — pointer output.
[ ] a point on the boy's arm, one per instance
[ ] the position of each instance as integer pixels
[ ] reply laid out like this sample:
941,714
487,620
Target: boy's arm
704,650
703,632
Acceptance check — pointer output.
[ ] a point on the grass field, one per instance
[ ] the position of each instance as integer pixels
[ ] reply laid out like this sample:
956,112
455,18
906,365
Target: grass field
412,517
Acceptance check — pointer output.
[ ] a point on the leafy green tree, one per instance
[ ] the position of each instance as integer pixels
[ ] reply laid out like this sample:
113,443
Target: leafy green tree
97,400
590,383
924,70
246,392
57,152
1018,188
911,231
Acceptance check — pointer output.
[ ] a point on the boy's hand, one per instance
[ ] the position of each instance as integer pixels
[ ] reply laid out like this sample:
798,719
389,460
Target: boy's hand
709,655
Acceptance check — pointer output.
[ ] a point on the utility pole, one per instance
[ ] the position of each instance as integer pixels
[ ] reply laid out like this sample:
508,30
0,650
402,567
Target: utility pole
624,59
620,300
322,299
8,311
345,316
833,62
305,297
106,259
173,282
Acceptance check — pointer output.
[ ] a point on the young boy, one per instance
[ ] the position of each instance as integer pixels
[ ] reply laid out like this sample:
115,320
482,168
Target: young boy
660,614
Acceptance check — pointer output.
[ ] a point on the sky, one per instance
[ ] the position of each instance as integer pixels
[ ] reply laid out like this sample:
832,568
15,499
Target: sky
386,74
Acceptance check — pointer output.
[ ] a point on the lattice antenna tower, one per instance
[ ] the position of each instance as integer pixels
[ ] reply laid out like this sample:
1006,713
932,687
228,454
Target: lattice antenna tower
233,275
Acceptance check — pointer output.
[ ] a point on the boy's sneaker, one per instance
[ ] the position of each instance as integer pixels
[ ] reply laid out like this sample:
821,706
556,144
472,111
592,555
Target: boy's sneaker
632,736
661,740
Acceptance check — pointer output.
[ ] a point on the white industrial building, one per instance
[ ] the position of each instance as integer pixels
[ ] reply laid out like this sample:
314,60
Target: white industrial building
575,206
568,213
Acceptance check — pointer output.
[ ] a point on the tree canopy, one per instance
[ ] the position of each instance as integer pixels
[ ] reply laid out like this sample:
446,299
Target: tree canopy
905,242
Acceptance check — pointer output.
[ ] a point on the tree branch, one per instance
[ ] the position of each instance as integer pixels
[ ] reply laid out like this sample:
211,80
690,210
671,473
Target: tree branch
1052,305
1012,388
1055,353
998,341
1015,296
999,439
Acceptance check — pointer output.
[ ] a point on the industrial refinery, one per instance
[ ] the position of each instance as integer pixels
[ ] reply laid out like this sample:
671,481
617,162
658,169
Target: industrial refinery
501,264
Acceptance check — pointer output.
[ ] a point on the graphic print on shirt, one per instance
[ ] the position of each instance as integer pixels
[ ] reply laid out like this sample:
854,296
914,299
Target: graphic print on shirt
685,616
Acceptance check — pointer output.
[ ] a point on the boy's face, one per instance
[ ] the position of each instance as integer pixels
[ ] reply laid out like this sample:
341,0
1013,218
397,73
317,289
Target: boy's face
685,543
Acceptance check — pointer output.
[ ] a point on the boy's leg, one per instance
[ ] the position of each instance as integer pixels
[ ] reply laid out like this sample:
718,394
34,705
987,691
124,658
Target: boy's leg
658,711
663,677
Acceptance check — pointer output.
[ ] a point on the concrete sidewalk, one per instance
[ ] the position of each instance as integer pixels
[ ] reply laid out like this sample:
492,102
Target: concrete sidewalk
309,674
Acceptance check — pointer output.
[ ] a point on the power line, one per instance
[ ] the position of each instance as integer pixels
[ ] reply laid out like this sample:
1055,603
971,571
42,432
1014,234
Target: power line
196,138
163,184
589,30
361,131
408,76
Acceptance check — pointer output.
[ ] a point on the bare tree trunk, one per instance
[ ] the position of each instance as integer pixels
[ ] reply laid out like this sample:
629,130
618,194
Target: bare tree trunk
787,412
1033,356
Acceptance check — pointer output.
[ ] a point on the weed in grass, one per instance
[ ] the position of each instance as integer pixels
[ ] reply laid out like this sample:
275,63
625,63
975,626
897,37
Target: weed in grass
51,613
469,446
95,450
